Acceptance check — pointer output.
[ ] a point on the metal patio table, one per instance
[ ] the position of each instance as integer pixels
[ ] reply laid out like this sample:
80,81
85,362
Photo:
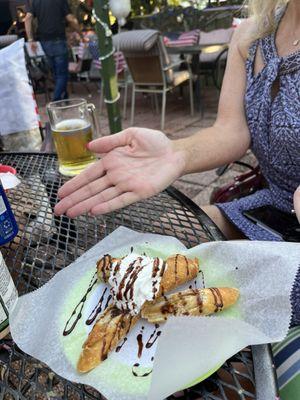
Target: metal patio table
194,52
46,244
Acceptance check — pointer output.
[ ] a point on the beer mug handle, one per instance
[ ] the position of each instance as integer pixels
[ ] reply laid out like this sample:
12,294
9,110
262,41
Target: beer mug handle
96,128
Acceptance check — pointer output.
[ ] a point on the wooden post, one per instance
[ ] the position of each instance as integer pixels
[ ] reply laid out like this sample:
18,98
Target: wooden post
108,70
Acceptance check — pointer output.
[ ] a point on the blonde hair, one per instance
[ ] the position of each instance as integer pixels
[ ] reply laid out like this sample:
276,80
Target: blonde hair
264,13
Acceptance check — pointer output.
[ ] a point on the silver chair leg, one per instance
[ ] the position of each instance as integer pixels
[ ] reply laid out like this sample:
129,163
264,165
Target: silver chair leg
125,100
156,103
101,98
132,105
163,111
191,96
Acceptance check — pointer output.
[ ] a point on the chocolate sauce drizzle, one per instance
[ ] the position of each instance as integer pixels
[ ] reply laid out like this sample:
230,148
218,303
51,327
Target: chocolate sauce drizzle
202,275
139,339
136,365
107,301
199,300
140,342
218,299
77,312
118,348
187,265
176,262
130,284
128,272
107,263
97,310
153,337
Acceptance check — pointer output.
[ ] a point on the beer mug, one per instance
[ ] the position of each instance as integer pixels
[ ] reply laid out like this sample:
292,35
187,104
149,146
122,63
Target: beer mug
72,123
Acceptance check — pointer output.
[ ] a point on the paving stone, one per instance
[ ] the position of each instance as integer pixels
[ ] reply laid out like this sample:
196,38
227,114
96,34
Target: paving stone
202,198
203,178
189,189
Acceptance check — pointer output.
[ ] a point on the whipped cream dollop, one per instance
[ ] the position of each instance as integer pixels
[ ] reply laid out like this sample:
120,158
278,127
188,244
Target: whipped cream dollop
134,280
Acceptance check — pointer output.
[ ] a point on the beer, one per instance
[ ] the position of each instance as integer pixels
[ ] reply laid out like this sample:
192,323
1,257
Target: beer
70,138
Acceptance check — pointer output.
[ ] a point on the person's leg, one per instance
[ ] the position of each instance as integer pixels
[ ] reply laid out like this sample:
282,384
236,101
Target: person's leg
61,70
47,47
228,229
57,54
61,77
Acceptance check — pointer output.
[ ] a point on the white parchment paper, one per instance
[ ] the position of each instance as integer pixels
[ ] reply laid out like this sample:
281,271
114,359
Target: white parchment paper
189,347
9,180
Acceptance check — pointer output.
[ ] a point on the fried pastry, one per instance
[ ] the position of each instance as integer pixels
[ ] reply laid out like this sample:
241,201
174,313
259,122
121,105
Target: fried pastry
136,279
111,327
192,302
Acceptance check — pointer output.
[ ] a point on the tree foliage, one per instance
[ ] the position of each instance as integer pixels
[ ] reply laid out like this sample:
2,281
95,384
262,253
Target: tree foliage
144,7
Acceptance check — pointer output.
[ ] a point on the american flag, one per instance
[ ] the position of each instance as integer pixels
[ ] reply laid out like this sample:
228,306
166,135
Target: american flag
190,38
118,55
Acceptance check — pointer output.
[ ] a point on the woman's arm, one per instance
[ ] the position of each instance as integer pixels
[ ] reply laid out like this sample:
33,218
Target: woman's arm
228,139
297,203
138,163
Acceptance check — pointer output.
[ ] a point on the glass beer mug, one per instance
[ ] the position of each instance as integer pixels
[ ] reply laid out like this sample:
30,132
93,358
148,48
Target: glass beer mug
72,123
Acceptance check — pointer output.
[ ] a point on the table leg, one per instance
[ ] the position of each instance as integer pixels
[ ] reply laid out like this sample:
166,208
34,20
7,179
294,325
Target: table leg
197,83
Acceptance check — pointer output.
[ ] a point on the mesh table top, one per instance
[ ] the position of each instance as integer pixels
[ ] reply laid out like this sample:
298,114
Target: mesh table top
45,244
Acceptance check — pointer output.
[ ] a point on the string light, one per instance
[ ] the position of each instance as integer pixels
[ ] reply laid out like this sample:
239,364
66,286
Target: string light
107,30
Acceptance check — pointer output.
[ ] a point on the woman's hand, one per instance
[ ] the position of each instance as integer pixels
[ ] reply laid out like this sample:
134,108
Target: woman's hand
135,164
297,203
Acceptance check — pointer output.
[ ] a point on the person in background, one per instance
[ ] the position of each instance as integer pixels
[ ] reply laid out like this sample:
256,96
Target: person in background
52,16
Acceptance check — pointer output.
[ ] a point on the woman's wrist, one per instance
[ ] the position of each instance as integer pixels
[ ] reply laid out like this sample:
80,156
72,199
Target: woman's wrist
179,148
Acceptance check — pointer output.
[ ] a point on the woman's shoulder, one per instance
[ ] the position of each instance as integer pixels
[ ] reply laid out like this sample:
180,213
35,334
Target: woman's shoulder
244,36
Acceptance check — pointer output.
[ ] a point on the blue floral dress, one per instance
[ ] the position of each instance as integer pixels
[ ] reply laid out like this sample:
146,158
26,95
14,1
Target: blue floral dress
274,125
272,105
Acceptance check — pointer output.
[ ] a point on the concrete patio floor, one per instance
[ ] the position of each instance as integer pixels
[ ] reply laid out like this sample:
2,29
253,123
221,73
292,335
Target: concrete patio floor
179,124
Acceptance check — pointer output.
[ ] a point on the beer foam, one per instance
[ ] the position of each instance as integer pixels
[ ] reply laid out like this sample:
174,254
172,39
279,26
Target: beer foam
72,125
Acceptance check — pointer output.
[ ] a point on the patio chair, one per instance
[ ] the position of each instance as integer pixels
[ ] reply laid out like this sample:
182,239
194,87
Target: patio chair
213,59
150,67
80,65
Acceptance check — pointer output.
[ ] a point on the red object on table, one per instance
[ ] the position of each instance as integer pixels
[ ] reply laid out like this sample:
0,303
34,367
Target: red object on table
7,168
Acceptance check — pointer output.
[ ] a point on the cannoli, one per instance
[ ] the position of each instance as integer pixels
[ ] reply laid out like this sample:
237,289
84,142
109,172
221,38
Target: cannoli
136,279
111,326
193,302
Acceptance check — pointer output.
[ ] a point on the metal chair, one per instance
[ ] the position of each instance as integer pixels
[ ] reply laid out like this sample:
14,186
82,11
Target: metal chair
213,58
80,66
150,67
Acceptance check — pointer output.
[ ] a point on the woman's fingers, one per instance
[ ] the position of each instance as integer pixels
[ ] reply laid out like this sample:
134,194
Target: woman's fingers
91,173
84,193
108,143
115,203
87,205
